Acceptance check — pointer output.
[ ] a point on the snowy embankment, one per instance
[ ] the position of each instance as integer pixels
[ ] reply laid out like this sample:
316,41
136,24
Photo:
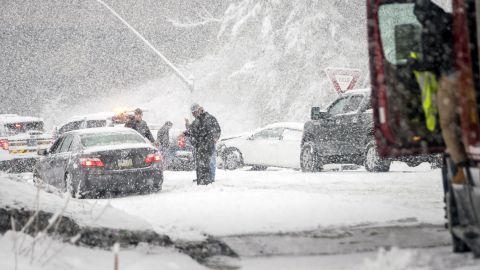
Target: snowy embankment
54,254
15,194
274,219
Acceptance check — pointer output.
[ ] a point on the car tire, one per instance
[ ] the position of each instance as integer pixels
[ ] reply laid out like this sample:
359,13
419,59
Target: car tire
310,161
373,162
452,220
69,187
157,185
259,168
37,179
232,159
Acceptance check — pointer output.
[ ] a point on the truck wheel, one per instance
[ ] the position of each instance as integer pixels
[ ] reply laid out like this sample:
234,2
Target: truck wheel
232,159
373,162
452,220
451,210
309,159
259,168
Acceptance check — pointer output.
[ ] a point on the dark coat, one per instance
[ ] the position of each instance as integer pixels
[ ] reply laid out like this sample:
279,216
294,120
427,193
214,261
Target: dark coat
142,128
163,136
203,133
437,38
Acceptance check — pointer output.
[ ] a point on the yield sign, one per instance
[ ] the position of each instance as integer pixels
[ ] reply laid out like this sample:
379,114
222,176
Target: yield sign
343,79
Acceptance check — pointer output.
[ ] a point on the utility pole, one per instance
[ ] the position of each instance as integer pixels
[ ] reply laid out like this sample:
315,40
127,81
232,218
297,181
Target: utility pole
188,81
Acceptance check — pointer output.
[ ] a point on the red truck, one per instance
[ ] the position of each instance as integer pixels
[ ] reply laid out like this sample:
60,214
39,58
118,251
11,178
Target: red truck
394,32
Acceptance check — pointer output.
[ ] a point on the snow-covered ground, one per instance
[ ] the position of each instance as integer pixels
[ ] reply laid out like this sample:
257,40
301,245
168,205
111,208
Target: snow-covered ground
274,219
52,254
278,200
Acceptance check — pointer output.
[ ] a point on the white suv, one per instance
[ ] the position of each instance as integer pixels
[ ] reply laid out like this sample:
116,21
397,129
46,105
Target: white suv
20,139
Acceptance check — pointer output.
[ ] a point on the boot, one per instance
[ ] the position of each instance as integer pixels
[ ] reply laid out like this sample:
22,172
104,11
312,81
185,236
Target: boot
459,177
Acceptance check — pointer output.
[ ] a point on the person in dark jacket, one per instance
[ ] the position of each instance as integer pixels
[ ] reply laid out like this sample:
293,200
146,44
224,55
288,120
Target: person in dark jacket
163,135
438,58
203,133
140,126
163,142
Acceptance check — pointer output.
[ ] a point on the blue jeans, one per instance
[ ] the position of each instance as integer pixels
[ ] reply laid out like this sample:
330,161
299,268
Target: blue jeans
213,165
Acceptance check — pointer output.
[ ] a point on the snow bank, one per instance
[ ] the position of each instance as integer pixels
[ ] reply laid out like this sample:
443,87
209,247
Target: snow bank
400,259
16,193
53,254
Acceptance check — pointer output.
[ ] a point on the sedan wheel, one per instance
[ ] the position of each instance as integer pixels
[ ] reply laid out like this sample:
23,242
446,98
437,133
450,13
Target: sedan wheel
232,160
37,180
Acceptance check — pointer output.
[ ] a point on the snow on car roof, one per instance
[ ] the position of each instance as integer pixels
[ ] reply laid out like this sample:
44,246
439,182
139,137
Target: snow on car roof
292,125
14,118
102,130
93,116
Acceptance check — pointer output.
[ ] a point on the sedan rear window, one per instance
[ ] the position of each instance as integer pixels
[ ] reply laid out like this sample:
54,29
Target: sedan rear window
111,138
96,123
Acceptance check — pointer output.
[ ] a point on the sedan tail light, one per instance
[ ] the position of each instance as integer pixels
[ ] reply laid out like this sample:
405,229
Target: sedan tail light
152,158
91,163
4,144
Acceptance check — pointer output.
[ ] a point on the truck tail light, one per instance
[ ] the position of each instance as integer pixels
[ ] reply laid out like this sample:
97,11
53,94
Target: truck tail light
4,144
152,158
91,163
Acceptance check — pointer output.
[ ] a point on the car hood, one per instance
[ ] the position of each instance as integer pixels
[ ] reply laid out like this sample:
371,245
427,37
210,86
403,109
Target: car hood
241,135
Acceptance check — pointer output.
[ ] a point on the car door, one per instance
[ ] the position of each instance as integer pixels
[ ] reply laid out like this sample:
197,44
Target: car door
262,147
47,163
351,126
396,49
289,148
62,156
333,138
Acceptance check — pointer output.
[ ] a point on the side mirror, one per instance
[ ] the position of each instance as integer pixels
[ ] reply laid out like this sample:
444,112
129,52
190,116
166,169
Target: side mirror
42,152
407,40
317,114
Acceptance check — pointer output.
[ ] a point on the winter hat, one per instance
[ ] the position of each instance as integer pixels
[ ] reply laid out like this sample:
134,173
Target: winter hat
194,107
138,111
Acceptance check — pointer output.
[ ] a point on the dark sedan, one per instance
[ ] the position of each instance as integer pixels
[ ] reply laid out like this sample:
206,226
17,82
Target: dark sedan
92,162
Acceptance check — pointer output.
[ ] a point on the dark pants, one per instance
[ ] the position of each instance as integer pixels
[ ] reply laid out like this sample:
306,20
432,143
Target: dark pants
203,164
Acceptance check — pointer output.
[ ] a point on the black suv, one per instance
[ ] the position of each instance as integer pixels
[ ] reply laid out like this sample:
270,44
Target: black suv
343,133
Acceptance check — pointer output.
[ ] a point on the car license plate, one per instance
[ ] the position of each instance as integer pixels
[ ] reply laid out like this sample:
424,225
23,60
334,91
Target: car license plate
125,163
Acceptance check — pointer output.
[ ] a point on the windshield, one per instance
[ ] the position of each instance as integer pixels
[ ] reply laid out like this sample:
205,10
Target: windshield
111,138
23,127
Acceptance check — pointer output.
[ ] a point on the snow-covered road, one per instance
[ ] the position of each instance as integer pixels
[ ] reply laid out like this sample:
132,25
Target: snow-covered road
246,202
